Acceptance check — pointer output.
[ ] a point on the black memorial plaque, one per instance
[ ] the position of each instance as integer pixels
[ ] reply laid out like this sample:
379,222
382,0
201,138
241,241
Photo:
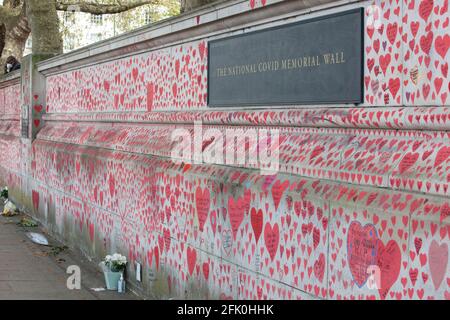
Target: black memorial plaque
317,61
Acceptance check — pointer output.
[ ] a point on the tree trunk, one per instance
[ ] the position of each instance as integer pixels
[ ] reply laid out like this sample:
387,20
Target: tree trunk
188,5
15,39
2,37
13,36
44,23
13,47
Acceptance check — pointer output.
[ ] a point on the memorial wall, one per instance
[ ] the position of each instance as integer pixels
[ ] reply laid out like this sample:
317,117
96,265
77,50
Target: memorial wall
248,150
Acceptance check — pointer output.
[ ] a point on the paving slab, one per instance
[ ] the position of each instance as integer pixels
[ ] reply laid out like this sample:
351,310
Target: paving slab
29,271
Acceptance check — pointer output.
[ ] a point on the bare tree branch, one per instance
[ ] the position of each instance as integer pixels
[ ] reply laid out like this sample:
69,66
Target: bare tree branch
8,15
12,13
21,29
99,8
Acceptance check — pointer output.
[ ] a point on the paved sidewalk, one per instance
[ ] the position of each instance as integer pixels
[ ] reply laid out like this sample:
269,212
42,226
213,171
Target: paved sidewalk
32,271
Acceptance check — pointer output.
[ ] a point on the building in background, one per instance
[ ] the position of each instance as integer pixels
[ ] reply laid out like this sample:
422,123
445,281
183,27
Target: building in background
81,29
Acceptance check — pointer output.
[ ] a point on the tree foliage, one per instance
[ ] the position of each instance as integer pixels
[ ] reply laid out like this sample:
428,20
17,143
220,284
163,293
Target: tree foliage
20,18
75,34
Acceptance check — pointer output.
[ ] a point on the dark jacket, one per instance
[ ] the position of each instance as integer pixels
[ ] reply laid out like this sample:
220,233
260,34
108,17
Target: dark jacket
16,66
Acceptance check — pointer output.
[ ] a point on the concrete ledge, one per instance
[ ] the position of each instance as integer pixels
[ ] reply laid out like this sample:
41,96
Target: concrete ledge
350,155
10,79
410,118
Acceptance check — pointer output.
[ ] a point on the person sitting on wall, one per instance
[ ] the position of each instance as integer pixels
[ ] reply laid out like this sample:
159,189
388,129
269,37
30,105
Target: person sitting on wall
11,64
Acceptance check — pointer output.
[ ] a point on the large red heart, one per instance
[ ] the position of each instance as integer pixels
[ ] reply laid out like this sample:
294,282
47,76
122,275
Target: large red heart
156,252
277,192
365,249
135,73
319,267
394,86
191,259
442,156
426,42
167,239
112,184
392,32
438,260
202,202
35,197
206,270
361,250
408,161
385,61
425,8
150,96
38,108
442,44
256,218
236,210
272,238
388,260
202,49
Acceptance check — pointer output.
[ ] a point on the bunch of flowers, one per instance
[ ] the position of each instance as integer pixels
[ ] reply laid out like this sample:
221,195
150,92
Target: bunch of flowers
116,262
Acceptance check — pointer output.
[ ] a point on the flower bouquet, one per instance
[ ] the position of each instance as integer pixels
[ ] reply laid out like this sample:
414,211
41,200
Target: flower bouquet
113,267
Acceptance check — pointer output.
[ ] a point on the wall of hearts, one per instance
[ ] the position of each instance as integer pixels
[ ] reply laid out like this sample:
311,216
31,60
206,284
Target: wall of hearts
359,188
406,63
10,144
